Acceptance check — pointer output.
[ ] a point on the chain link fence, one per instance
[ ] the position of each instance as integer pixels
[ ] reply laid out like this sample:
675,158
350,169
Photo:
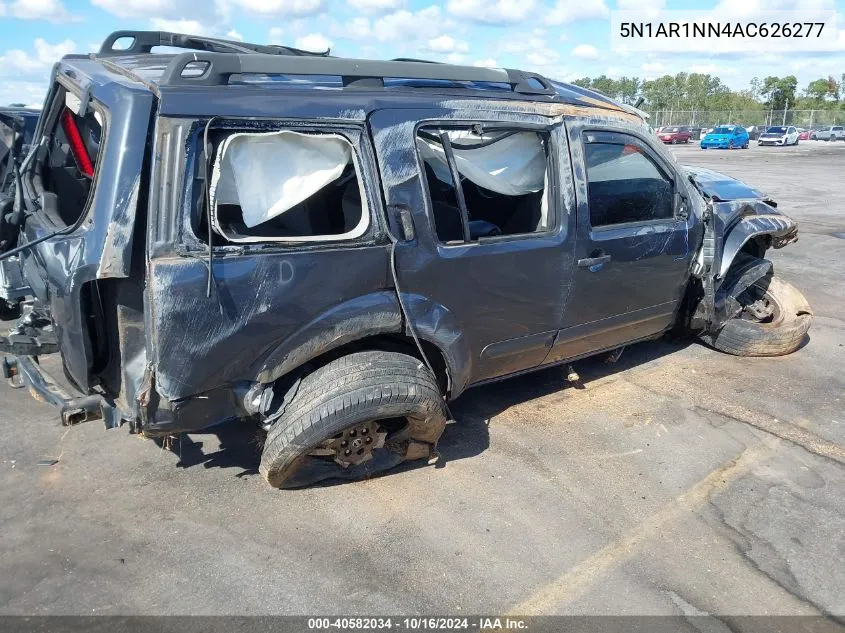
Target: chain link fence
704,118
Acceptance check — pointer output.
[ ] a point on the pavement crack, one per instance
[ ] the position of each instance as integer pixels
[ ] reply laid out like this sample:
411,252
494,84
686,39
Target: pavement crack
578,579
784,430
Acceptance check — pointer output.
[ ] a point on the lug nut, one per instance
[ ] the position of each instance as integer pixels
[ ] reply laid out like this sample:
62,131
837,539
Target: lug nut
344,443
364,431
347,452
352,433
369,439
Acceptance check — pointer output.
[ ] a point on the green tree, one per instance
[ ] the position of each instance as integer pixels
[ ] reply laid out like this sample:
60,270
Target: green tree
779,91
604,85
819,89
584,82
628,89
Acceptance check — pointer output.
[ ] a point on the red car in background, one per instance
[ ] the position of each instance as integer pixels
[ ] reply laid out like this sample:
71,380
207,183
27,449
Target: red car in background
674,134
804,135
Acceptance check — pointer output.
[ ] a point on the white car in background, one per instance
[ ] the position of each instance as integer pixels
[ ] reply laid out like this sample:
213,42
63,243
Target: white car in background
832,133
779,135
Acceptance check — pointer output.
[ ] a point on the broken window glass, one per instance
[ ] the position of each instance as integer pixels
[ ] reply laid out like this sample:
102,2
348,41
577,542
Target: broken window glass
503,178
624,185
287,186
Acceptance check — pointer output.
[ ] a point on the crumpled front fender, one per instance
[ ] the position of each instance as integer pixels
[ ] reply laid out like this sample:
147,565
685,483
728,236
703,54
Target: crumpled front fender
743,220
782,229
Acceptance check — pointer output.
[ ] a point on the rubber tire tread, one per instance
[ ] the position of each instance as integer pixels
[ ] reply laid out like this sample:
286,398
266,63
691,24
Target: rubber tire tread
362,385
747,338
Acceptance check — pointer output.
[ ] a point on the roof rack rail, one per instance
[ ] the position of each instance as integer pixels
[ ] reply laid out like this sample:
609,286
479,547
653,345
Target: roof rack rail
144,41
213,69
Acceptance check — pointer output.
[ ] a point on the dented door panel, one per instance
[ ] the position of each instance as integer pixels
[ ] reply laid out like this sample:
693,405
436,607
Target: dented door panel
271,305
630,277
63,268
504,297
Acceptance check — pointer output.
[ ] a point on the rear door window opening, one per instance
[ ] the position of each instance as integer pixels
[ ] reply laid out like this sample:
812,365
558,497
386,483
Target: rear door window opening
287,186
503,177
73,152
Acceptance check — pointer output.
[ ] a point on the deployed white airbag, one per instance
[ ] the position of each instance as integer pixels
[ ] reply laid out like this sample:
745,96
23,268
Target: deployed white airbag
514,165
268,173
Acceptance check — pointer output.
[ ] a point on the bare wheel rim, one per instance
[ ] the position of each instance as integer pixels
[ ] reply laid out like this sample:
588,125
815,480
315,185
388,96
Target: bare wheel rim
761,307
356,444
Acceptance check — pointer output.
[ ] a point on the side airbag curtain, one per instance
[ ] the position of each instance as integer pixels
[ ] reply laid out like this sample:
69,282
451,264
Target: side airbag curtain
514,165
270,173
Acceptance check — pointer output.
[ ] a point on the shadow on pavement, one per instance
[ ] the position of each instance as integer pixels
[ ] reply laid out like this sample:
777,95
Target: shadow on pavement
240,442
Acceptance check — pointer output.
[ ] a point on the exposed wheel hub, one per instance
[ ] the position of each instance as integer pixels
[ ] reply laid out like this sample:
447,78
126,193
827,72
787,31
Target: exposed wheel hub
760,310
354,445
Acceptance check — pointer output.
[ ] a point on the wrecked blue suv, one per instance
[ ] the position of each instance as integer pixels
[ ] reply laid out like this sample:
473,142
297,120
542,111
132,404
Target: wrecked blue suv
333,248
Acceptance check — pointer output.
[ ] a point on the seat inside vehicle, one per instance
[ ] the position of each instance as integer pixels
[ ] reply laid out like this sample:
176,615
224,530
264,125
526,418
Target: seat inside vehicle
334,210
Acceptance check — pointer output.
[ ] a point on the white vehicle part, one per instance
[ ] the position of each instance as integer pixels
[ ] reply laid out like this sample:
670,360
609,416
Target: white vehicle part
515,165
268,173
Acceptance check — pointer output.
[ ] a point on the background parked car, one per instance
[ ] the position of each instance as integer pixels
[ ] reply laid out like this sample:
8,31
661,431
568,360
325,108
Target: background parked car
831,133
17,125
754,132
726,137
696,133
779,135
674,134
804,135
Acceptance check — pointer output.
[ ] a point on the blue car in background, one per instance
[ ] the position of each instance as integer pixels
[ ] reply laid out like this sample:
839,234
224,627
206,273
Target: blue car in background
726,137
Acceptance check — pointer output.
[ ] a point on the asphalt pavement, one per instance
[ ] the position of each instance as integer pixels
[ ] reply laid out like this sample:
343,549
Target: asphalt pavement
676,481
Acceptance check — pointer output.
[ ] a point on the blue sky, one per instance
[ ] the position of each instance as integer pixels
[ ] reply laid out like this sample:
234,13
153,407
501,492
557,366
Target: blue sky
563,39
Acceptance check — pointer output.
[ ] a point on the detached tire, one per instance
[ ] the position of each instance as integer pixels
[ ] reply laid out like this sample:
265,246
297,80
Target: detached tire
780,335
353,418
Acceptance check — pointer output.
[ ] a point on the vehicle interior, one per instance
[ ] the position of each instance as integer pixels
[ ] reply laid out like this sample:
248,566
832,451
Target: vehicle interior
68,170
518,207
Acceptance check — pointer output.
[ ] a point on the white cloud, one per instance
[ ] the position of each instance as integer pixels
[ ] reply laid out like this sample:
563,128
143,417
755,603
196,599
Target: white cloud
652,67
585,51
315,42
235,35
16,63
446,44
188,27
640,5
713,69
405,26
280,7
543,58
30,93
376,6
574,10
486,63
161,9
455,58
492,11
274,36
51,10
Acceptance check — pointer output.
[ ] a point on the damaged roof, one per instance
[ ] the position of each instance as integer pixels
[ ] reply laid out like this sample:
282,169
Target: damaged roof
220,63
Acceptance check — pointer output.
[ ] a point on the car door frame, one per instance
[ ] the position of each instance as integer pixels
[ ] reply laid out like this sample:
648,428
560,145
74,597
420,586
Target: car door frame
577,337
404,188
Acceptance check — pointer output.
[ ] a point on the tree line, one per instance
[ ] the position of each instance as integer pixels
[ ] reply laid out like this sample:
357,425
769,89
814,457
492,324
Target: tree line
695,91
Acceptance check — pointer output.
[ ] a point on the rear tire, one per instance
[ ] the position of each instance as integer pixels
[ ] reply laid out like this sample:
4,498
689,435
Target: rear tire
393,394
781,335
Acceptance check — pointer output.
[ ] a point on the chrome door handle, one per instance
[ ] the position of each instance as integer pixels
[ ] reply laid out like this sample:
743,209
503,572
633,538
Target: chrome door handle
589,262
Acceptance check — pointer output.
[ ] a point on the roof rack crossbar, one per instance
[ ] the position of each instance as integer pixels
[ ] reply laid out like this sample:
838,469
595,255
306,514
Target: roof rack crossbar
211,69
144,41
